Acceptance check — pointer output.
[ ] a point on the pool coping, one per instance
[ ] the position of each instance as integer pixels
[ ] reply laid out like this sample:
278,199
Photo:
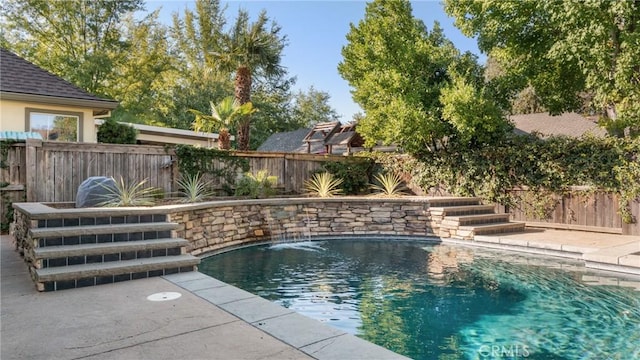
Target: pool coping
322,341
622,256
308,335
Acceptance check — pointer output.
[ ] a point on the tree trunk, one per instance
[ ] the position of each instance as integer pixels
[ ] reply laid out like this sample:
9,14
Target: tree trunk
224,139
243,96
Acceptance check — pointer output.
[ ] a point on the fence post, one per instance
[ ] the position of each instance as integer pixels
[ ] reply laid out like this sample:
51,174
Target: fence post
31,175
633,228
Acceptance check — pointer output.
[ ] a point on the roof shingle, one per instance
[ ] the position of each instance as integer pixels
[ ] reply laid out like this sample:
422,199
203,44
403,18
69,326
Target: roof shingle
568,124
18,76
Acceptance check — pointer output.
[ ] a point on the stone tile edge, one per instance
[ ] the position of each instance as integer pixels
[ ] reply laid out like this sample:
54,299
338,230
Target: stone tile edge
370,346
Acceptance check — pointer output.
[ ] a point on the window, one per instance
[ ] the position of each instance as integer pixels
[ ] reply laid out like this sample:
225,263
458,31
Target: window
54,125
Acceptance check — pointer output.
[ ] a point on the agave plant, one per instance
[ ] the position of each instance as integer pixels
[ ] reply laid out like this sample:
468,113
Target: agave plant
389,184
323,185
193,188
128,195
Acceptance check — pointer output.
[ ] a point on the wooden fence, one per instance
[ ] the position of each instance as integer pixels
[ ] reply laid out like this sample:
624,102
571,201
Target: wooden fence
577,209
52,171
40,171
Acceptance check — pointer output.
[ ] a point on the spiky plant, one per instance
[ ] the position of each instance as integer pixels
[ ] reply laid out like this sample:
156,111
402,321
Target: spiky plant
193,188
389,184
128,195
323,185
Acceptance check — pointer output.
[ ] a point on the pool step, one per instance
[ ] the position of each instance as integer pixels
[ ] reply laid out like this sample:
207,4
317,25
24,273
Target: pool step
463,218
90,250
462,210
77,231
53,256
498,228
481,219
454,201
68,277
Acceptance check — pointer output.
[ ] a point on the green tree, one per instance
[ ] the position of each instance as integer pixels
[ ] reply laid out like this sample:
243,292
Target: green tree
147,72
251,48
478,120
273,97
222,117
197,40
80,41
312,107
564,49
397,69
113,132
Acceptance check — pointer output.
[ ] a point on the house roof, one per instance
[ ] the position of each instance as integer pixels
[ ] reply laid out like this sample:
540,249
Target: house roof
326,134
568,124
24,81
322,131
346,135
291,142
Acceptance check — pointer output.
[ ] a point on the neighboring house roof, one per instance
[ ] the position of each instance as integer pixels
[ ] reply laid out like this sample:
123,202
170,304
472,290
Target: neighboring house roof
321,138
290,142
346,136
24,81
568,124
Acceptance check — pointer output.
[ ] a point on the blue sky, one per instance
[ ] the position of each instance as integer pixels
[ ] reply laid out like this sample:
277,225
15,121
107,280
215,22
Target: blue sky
316,31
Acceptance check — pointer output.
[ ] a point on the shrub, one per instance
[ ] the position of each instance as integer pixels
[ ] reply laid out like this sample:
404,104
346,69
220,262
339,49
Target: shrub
355,174
113,132
220,164
257,185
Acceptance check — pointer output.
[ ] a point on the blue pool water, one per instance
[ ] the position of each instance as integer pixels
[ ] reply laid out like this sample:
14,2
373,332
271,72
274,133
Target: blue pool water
430,301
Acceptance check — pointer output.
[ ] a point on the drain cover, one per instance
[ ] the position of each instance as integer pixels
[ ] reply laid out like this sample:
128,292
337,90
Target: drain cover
164,296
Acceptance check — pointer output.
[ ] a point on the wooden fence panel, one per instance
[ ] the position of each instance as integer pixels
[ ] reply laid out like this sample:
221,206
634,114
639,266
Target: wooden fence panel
12,179
61,167
577,209
52,171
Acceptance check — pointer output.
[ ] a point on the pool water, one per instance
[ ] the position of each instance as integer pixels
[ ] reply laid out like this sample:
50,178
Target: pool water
429,301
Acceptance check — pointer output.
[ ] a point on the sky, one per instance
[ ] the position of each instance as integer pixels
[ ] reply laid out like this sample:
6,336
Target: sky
316,32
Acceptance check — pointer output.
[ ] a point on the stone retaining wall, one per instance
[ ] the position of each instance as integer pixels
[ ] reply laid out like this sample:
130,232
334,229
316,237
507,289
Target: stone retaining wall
214,226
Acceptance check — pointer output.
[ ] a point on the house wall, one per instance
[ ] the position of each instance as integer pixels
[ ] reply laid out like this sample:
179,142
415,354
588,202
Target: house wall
13,116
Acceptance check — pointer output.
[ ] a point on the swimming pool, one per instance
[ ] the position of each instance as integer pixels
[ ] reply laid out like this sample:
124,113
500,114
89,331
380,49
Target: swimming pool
434,301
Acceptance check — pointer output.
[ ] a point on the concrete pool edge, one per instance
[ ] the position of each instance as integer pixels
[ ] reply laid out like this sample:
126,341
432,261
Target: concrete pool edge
608,252
320,340
310,336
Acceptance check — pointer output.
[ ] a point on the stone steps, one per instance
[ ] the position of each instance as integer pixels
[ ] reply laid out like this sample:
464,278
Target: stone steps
67,277
52,256
498,228
90,249
462,210
463,218
481,219
454,201
64,231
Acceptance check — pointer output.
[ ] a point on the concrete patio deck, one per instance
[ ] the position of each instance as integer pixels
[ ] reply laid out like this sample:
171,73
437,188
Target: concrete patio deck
213,320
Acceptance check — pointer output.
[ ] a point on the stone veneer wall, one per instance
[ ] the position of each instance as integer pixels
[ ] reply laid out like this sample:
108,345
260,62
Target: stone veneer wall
216,225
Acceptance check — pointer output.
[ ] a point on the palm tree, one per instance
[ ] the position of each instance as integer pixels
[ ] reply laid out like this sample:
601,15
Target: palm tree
222,117
249,48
